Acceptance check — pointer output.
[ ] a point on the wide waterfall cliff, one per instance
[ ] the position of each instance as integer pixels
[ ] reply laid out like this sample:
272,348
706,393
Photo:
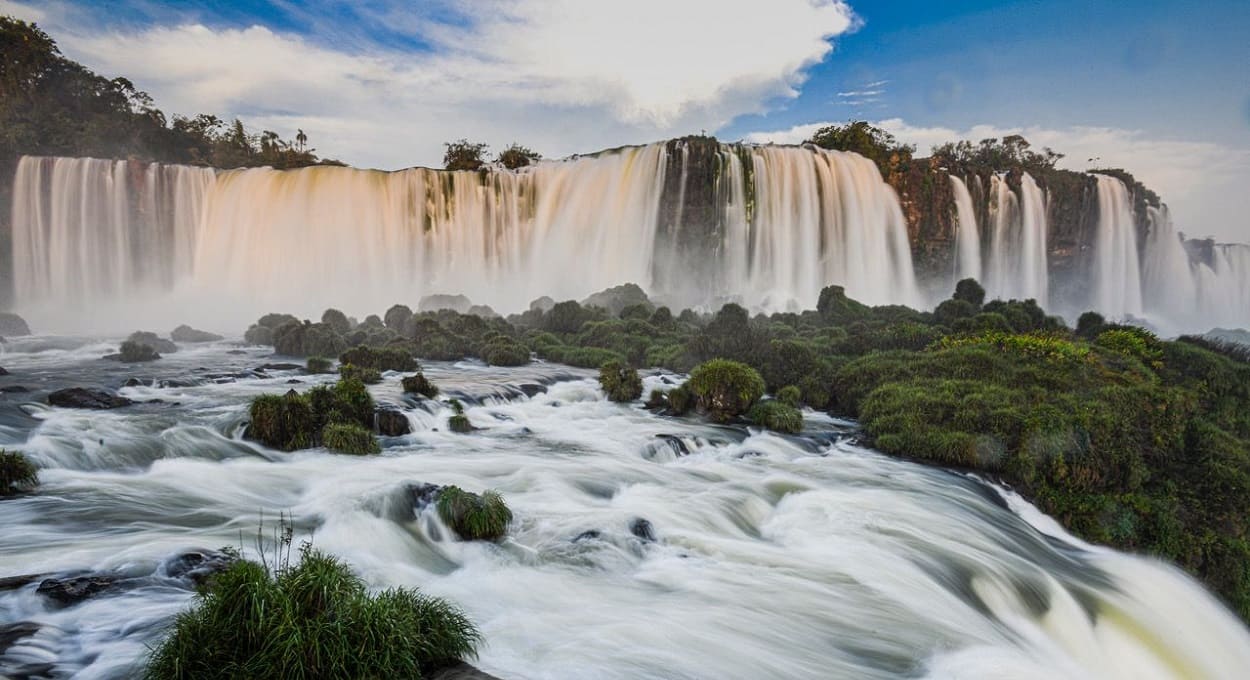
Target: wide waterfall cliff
119,244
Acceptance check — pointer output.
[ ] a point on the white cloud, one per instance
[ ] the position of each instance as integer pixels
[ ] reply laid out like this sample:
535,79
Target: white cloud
1203,183
561,76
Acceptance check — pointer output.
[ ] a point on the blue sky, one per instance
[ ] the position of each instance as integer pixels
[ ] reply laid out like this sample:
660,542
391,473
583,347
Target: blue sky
1161,88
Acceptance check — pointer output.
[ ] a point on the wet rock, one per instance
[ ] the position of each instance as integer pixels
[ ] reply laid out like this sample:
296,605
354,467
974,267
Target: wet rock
12,324
587,535
197,565
423,494
531,389
675,443
14,388
15,582
391,422
643,529
236,351
461,671
3,371
133,382
154,341
279,367
11,633
82,397
176,382
71,591
185,333
295,381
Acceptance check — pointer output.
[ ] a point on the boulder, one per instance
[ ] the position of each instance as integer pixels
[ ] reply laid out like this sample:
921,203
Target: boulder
12,324
392,422
83,397
195,566
185,333
643,529
154,341
71,591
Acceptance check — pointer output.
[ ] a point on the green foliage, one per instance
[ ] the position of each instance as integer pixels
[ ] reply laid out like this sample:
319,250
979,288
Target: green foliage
17,473
994,155
837,308
725,389
284,422
458,422
308,340
1135,342
132,352
319,365
397,317
1032,345
464,155
1090,324
970,291
473,517
336,320
503,350
517,156
863,138
313,620
680,400
349,438
566,317
790,396
366,375
419,384
953,310
588,357
620,382
381,359
777,415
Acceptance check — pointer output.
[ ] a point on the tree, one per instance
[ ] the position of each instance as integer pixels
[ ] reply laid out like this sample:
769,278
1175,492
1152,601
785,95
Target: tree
464,155
870,142
517,156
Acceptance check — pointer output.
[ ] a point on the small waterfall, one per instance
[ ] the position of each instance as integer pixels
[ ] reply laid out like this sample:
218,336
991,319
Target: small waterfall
1183,292
1017,265
967,236
1117,279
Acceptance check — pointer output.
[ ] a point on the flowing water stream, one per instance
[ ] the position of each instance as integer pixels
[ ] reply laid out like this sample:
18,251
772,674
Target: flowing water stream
763,556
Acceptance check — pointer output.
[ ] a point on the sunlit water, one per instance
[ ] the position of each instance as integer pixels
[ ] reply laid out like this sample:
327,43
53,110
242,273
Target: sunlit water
797,557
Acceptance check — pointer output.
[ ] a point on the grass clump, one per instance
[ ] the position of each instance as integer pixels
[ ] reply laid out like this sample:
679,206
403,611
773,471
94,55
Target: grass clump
474,517
725,388
299,421
312,620
621,383
502,350
680,400
458,422
419,384
777,416
790,395
349,438
17,473
319,365
365,374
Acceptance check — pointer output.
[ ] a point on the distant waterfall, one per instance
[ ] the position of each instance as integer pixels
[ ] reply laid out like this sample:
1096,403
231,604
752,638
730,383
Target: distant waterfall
1184,291
1017,263
1117,278
967,236
100,241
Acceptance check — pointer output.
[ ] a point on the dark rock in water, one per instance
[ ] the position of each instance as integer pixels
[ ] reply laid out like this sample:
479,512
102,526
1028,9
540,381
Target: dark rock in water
175,382
3,371
154,341
587,535
643,529
185,333
236,351
279,367
295,381
197,565
71,591
133,352
392,422
531,389
461,671
423,494
675,443
81,397
133,382
14,388
14,582
12,324
13,632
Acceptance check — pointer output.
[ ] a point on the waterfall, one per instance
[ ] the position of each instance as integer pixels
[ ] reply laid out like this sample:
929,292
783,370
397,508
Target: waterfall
1017,264
967,237
1187,292
123,242
1117,280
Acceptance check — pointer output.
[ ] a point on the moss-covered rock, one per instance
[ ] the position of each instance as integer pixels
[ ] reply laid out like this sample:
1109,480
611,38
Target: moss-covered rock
419,384
366,375
620,382
285,421
317,365
458,422
776,415
17,473
135,352
474,517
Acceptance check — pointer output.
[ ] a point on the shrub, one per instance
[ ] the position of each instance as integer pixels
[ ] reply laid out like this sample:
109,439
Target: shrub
1090,324
837,308
474,517
621,383
397,317
319,365
285,422
353,401
458,422
336,320
680,400
132,352
380,359
504,351
17,473
366,375
349,438
790,396
953,310
777,416
419,384
968,290
1138,343
656,400
725,389
313,620
589,357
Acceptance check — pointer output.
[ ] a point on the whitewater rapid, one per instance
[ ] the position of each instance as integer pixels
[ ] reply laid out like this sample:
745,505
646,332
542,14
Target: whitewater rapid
774,556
